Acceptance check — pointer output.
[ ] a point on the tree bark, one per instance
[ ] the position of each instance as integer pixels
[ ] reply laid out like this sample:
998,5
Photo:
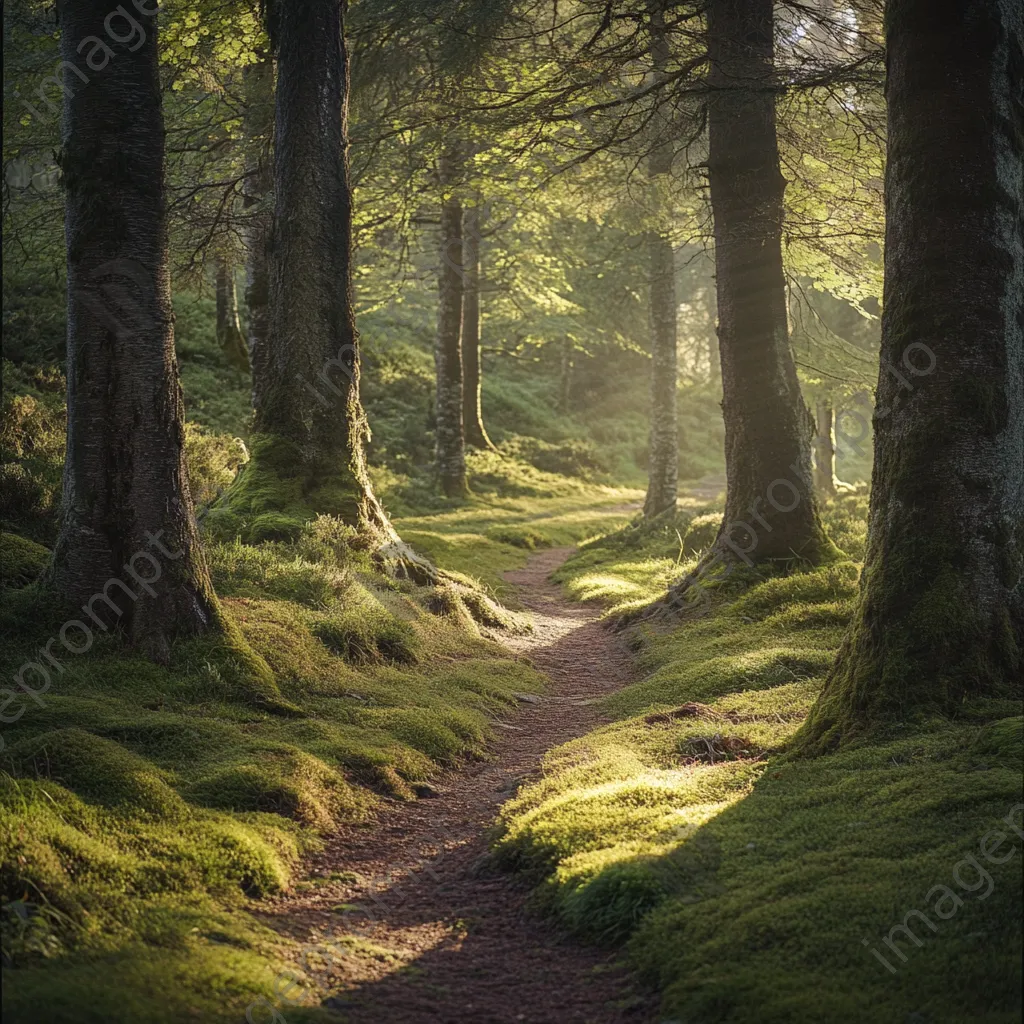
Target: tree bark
663,462
449,431
310,418
126,512
770,510
941,616
824,449
472,407
229,328
258,126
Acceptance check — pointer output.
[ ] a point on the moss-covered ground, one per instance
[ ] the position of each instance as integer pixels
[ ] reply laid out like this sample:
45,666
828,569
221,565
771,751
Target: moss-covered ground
747,884
142,807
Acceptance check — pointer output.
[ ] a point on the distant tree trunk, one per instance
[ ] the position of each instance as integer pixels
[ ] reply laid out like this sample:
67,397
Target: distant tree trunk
472,410
259,215
565,378
663,463
310,419
229,328
449,431
941,617
126,511
824,449
770,510
714,359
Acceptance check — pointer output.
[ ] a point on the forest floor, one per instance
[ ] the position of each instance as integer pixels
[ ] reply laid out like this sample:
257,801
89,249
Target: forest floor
452,938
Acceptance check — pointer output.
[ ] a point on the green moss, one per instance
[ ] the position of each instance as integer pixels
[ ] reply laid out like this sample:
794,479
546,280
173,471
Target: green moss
97,769
463,540
21,560
149,802
282,781
274,496
367,634
519,537
744,881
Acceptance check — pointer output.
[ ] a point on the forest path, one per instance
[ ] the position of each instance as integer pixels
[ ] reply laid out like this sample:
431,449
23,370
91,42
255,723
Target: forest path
451,940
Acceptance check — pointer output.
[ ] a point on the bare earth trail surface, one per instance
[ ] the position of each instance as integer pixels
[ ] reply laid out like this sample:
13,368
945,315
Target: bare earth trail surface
450,939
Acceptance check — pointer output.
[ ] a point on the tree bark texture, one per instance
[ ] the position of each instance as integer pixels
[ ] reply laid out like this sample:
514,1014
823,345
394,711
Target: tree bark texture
824,449
258,200
770,509
941,616
309,402
472,405
229,327
126,510
449,430
663,461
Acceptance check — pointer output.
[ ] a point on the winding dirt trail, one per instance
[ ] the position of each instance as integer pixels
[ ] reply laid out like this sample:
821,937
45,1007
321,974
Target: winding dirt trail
450,940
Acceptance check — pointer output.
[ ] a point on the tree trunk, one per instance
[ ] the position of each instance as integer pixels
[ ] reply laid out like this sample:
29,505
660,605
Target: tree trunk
824,449
309,419
941,617
663,463
229,329
472,410
714,359
770,511
258,126
126,512
565,379
449,431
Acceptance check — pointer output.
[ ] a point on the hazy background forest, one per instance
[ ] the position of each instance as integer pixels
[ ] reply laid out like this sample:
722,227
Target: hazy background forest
498,326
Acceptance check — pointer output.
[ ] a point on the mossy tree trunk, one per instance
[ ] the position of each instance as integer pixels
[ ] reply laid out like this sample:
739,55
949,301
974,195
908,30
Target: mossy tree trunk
126,512
309,419
449,430
663,461
258,197
472,373
229,327
824,449
770,511
941,616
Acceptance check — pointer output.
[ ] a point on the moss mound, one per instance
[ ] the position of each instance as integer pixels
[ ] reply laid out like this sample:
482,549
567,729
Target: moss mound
98,770
21,560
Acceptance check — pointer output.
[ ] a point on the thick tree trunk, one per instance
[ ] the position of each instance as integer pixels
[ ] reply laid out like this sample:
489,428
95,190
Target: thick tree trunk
229,328
472,407
126,511
259,216
824,449
663,462
449,431
770,511
941,616
309,418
